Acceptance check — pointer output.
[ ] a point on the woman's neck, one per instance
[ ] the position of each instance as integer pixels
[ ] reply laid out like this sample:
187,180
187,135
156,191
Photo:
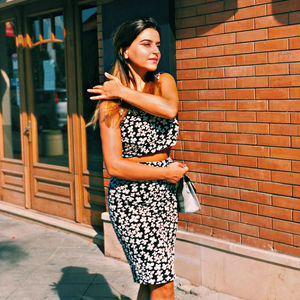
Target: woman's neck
138,78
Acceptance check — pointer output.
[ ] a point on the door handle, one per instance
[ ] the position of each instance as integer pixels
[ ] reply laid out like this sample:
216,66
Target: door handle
27,131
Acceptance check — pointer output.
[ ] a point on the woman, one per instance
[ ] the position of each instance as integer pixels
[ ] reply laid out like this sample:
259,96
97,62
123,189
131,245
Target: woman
138,127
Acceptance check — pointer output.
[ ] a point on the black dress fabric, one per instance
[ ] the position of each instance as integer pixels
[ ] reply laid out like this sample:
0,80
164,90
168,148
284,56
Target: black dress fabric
144,213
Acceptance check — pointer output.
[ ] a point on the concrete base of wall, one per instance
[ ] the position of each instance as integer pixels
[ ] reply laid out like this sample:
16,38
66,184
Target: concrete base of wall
234,269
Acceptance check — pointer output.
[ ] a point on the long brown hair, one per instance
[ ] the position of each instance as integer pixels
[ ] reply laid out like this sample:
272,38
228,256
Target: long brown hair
125,34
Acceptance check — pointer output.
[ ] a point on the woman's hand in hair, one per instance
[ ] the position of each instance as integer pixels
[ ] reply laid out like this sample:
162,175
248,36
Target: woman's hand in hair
175,171
110,89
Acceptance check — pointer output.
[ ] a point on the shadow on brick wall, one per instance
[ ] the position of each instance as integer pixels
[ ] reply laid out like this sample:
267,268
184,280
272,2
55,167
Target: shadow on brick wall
285,12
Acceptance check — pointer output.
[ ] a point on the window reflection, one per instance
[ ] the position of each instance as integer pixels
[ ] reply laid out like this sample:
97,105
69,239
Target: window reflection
50,95
9,91
90,77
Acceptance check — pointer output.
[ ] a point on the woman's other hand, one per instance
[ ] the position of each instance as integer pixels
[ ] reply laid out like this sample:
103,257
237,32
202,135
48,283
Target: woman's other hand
175,171
110,89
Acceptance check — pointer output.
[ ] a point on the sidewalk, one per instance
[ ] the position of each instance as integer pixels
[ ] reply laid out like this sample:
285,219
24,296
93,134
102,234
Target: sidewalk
37,263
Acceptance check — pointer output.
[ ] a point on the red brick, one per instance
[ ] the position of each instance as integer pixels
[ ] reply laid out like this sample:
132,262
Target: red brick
296,216
255,173
240,138
221,40
239,49
213,157
256,197
240,94
185,33
256,220
283,6
237,26
210,30
284,81
284,31
214,222
272,69
197,167
273,93
190,156
222,105
221,61
294,92
189,135
211,94
210,73
244,228
295,118
185,53
215,201
258,243
194,105
222,83
243,206
211,115
296,166
195,146
284,129
236,116
250,12
214,179
212,137
287,249
223,148
178,44
203,189
233,4
220,17
225,192
275,212
254,150
271,21
285,153
286,226
286,177
190,22
197,228
294,17
243,183
294,43
210,7
226,214
254,35
210,51
226,235
224,170
252,104
195,63
273,140
248,82
186,74
284,56
286,202
276,236
195,125
252,59
271,45
296,191
239,71
182,225
245,161
188,95
295,142
223,127
273,117
186,12
275,188
195,218
295,68
274,164
188,115
297,241
253,128
194,84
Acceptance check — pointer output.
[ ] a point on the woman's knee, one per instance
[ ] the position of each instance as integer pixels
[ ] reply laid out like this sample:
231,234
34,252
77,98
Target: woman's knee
162,291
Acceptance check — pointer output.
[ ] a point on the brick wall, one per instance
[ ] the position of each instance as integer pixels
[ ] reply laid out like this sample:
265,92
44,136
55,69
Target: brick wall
238,75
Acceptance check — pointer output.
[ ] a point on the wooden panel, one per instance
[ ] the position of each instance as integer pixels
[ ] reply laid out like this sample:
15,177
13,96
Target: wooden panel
13,197
94,198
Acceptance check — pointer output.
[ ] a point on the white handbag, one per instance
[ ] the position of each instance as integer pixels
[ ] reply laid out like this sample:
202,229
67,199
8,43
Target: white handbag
186,196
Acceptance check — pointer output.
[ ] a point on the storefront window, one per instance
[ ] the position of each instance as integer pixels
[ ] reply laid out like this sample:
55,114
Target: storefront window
90,77
50,94
9,91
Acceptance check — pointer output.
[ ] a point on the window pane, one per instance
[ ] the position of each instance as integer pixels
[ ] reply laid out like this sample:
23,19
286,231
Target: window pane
50,95
9,91
90,77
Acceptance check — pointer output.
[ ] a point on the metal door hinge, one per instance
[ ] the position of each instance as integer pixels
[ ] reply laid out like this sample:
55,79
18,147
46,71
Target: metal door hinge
27,130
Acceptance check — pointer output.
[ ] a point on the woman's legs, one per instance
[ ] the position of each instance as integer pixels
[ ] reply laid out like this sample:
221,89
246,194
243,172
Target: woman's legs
162,291
144,292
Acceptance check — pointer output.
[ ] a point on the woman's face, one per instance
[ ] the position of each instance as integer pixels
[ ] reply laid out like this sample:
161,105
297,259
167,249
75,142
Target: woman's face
144,54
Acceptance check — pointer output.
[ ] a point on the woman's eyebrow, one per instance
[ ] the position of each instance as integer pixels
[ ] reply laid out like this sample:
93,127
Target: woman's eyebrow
148,40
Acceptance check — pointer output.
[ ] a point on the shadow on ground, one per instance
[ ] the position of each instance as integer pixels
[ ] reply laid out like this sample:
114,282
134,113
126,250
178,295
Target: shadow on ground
77,283
10,253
